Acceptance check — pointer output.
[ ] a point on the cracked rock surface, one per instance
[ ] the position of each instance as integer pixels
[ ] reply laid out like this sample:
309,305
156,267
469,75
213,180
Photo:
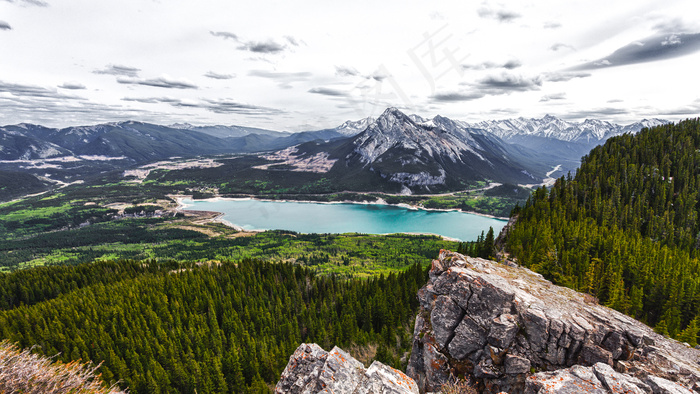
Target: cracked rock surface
313,370
506,328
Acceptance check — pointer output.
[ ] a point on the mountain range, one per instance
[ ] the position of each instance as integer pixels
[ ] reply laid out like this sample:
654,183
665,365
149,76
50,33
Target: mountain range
407,151
410,154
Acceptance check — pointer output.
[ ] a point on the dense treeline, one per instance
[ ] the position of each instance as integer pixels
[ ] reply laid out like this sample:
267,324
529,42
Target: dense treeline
481,247
122,231
208,328
625,228
28,287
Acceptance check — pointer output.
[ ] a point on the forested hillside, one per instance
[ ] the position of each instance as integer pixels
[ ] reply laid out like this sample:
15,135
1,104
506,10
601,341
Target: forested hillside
625,228
203,328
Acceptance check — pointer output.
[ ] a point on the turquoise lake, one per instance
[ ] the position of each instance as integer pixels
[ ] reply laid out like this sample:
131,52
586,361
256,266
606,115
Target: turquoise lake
305,217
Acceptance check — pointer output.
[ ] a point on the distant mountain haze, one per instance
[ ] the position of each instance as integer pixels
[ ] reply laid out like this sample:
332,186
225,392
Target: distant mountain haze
408,153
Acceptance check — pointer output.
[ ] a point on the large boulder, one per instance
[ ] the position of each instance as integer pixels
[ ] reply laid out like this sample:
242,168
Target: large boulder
506,328
313,370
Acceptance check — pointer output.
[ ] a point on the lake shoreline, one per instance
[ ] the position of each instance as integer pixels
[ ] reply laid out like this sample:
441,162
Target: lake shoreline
380,201
218,216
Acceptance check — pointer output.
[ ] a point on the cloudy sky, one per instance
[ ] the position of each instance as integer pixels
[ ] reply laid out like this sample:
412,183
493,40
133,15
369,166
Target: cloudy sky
305,65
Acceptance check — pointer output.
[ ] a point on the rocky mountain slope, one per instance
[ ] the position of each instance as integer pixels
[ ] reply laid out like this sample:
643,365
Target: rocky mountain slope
550,135
586,132
508,329
394,152
426,156
314,370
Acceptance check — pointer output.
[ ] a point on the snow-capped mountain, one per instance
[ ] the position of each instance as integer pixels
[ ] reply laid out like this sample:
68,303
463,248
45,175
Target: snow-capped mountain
395,130
586,132
403,153
351,128
392,152
431,154
644,123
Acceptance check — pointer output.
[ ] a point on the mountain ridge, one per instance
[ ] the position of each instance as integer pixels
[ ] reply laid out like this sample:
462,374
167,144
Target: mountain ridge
548,126
405,153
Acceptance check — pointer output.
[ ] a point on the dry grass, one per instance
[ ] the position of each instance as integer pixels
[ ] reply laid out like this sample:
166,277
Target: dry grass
24,372
364,354
457,386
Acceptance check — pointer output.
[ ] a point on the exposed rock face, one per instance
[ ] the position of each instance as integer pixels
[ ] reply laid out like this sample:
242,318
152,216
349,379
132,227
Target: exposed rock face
508,329
313,370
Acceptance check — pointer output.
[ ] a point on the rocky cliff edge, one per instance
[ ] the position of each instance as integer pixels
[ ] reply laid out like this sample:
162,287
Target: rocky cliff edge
505,328
313,370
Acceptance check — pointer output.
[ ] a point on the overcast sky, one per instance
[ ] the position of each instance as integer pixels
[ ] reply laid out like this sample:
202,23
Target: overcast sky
302,65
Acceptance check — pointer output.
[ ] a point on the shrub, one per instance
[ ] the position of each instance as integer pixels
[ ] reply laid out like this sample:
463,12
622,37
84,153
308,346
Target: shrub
24,372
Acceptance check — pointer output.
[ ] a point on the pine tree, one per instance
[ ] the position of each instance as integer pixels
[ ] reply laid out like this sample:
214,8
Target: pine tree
661,328
690,334
487,247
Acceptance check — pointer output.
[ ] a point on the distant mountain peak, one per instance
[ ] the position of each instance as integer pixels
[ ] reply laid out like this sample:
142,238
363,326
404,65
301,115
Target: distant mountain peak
350,128
587,132
182,126
441,119
393,111
392,116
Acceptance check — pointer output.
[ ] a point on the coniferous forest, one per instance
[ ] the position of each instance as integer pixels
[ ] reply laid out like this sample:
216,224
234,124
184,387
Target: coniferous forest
624,228
168,327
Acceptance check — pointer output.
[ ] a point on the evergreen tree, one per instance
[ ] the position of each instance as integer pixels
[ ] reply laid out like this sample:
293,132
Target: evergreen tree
227,327
486,249
624,228
690,334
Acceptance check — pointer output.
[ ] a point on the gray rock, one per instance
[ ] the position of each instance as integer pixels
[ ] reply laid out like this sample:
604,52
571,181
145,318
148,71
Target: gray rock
486,369
516,365
468,338
593,354
503,330
303,368
565,381
439,371
617,344
382,379
536,327
619,383
450,284
312,370
426,297
515,321
446,314
341,372
662,386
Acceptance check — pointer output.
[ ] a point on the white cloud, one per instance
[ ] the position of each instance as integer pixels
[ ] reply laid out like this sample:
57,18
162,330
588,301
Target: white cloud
303,63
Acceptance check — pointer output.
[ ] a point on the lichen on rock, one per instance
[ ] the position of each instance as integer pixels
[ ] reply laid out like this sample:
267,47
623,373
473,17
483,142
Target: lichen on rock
506,328
313,370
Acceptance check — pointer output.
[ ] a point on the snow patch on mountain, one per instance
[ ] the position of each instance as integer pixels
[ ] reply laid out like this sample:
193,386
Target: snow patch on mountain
588,131
419,179
394,129
351,128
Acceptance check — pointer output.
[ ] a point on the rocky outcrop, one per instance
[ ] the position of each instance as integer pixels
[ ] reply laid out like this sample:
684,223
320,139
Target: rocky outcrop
506,328
313,370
